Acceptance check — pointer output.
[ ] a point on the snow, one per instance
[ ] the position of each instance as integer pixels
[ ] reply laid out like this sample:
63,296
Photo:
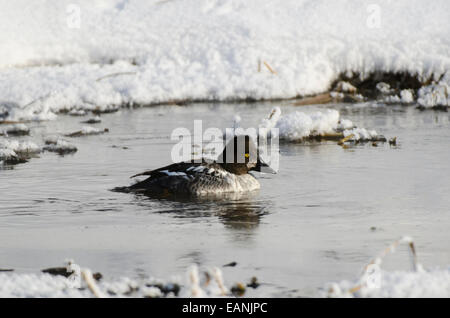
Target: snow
83,56
19,146
297,125
345,87
82,284
345,124
77,112
375,282
361,134
37,285
87,130
417,284
421,284
7,153
384,88
434,95
20,129
406,97
57,144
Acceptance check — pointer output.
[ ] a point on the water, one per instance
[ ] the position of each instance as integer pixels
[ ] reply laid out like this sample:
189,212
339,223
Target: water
326,213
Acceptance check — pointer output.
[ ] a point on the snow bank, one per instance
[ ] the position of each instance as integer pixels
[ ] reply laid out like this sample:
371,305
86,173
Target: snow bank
94,55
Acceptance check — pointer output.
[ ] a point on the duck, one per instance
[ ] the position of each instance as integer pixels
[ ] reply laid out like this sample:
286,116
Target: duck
205,176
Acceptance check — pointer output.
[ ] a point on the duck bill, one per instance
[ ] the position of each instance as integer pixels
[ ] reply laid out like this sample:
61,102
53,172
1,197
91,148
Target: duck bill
262,166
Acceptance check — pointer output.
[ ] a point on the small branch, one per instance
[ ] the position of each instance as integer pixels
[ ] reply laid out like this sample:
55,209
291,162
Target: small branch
219,280
115,74
90,281
269,68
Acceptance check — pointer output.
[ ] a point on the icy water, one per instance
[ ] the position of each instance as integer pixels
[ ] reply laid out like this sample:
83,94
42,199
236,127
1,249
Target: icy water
326,213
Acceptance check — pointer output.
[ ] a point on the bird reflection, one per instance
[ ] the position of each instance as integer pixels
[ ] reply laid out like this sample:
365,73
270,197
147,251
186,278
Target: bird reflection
240,215
237,211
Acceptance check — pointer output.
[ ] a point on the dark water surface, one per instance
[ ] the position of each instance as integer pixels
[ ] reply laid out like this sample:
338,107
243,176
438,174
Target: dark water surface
326,213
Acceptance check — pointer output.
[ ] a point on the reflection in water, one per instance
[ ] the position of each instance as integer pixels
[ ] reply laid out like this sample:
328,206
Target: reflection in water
241,215
237,211
192,257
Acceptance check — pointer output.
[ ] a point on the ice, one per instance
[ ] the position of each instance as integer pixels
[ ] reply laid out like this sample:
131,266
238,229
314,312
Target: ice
133,53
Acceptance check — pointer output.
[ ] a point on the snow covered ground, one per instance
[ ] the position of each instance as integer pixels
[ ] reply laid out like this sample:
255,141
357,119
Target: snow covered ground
376,282
398,284
81,283
98,54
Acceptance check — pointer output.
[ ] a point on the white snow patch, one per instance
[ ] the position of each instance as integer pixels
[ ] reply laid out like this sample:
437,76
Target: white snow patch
14,129
360,134
57,144
345,87
297,125
384,88
337,95
76,285
345,124
87,130
399,284
406,97
19,146
435,95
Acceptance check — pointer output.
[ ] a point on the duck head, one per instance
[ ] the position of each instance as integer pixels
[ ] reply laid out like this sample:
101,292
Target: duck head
241,155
